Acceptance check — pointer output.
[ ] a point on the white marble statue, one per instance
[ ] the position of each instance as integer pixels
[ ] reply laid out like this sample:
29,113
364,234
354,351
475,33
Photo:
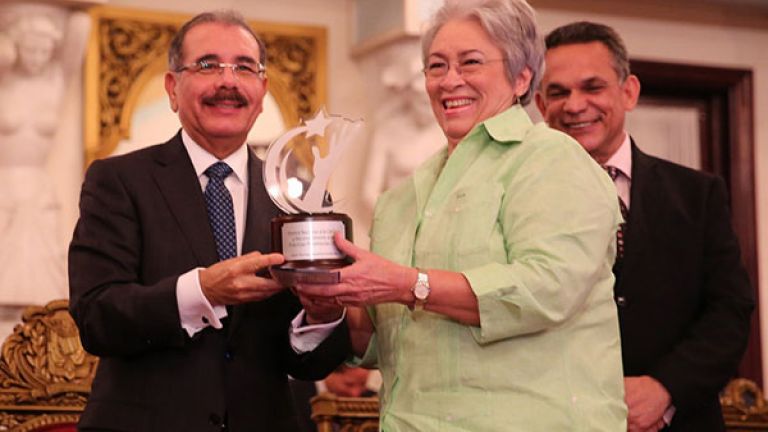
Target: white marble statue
40,46
405,131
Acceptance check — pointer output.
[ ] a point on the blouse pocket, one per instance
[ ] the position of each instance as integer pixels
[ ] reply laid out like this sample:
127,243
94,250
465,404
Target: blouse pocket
471,221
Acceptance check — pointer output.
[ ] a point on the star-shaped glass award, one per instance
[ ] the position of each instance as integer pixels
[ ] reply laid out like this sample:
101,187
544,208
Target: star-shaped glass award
297,170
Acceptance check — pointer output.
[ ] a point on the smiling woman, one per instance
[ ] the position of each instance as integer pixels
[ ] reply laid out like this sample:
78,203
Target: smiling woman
127,107
489,283
466,79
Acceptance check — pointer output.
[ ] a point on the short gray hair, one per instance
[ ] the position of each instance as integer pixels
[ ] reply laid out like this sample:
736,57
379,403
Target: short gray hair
228,17
511,25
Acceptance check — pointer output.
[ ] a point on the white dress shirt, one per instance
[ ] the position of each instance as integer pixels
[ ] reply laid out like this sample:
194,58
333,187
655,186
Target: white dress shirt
622,160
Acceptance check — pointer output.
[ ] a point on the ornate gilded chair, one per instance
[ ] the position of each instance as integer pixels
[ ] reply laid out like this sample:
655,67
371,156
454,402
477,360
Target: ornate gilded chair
45,375
744,407
334,413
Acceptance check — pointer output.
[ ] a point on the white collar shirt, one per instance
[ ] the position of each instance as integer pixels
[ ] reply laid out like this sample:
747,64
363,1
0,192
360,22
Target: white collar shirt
622,160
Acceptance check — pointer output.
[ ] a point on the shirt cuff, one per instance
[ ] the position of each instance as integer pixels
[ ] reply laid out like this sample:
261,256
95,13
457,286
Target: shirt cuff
668,414
195,311
306,338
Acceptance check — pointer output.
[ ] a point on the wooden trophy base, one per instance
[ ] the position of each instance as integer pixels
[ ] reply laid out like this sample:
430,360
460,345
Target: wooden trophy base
306,241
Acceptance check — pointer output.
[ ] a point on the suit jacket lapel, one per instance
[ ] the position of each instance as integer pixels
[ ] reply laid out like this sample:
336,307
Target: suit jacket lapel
179,185
177,181
643,210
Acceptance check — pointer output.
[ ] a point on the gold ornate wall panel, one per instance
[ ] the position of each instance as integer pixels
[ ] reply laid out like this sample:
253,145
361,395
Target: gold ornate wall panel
128,48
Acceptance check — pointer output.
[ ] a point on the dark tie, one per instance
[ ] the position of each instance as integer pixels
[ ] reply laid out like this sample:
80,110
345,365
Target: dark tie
220,212
614,173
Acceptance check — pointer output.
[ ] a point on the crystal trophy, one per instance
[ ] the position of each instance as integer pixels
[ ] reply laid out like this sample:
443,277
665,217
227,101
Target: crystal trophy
297,169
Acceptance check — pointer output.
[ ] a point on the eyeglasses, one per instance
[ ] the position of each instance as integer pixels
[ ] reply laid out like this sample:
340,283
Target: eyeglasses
239,70
436,69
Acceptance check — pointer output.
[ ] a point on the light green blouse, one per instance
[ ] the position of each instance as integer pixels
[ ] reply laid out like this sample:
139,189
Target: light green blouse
529,219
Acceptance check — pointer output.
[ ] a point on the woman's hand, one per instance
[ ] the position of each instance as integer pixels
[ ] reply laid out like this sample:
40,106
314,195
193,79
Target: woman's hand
373,280
370,280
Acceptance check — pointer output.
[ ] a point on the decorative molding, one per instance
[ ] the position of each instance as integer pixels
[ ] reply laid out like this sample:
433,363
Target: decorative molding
45,374
74,3
744,406
129,47
377,24
345,414
743,13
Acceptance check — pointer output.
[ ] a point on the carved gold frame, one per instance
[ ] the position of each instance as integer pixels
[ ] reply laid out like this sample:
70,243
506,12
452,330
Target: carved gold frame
128,47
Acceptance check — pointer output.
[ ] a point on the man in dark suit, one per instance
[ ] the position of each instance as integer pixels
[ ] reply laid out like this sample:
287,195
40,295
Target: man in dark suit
683,296
167,281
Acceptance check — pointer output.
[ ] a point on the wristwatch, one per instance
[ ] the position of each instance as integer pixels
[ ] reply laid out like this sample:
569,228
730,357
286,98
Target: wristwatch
421,290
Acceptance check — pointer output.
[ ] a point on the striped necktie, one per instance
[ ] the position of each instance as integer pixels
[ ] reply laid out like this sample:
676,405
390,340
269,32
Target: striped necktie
614,173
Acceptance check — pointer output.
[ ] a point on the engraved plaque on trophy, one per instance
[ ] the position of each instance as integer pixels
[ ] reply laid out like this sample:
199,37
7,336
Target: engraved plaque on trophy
297,182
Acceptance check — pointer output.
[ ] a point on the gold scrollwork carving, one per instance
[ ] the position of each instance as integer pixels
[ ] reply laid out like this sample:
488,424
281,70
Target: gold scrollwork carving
128,48
45,374
345,414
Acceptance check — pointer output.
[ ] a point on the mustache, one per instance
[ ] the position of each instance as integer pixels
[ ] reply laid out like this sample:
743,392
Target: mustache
226,95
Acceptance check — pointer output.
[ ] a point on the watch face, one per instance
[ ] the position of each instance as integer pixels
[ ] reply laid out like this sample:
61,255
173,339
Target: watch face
421,291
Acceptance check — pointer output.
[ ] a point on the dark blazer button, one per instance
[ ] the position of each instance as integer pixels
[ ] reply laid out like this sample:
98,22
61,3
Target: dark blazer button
228,355
621,301
214,419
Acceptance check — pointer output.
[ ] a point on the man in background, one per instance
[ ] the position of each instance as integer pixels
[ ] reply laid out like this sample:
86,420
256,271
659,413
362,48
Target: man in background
683,296
166,267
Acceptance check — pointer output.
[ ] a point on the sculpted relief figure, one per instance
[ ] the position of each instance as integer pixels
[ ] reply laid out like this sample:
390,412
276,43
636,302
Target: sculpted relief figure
405,133
40,46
